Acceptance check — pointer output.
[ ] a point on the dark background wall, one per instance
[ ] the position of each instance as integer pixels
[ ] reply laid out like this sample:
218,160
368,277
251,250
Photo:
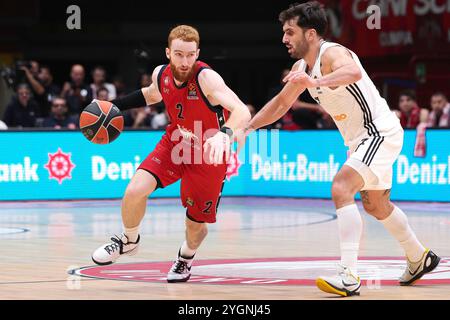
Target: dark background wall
241,40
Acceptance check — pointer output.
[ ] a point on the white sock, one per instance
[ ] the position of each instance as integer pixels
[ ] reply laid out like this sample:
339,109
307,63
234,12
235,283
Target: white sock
186,252
350,229
397,224
131,233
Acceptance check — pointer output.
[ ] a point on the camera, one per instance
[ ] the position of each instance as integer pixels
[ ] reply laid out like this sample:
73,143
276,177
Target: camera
13,76
9,76
23,63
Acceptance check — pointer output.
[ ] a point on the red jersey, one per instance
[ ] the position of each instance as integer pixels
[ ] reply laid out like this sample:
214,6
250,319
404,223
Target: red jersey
187,106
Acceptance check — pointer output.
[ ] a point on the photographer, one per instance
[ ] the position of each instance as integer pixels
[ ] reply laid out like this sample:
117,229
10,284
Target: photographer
31,71
51,90
22,110
77,93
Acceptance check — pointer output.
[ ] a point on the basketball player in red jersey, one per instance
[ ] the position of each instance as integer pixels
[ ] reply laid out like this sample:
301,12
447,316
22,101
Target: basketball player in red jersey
203,113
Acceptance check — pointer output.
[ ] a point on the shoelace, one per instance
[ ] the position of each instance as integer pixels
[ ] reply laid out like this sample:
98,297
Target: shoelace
116,245
345,272
179,266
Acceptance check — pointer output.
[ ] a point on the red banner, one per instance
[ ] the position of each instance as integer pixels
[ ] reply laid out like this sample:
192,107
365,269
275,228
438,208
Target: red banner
405,26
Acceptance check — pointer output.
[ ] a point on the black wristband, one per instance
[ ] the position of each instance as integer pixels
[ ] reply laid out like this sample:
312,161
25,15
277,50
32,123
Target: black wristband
135,99
227,131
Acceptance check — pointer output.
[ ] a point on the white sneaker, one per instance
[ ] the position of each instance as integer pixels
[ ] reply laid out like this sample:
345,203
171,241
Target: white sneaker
415,270
110,252
345,283
180,270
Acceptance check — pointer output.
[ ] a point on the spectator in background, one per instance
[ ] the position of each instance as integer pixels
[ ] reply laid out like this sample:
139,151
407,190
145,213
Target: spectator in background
103,94
59,117
119,84
138,118
159,119
145,80
99,81
286,122
410,113
439,117
32,78
76,92
51,90
22,110
305,112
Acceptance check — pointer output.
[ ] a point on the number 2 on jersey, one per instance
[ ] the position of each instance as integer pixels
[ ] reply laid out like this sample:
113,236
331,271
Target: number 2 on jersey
179,106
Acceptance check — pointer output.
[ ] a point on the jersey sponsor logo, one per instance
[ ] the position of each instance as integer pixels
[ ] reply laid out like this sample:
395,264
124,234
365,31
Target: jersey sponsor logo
301,271
192,91
59,166
340,117
166,81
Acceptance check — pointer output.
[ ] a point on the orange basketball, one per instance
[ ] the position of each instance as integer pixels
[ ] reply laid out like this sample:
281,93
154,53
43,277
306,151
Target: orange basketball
101,122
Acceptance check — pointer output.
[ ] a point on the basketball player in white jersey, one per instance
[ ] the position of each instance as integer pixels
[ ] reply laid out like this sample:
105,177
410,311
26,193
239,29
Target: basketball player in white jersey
335,78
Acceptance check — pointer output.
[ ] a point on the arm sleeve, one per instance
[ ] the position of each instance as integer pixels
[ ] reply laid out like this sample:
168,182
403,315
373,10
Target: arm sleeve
135,99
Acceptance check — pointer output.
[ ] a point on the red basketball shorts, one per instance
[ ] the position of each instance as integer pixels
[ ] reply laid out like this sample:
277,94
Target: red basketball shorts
201,184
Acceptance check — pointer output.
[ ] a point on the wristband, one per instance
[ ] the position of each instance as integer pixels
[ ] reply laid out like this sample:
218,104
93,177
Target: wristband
227,131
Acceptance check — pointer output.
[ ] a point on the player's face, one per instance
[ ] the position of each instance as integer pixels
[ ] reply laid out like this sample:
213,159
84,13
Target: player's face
182,56
294,39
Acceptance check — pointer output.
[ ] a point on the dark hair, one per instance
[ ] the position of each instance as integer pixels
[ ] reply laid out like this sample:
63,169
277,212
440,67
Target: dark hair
23,85
439,94
311,15
102,89
101,68
44,66
408,93
58,98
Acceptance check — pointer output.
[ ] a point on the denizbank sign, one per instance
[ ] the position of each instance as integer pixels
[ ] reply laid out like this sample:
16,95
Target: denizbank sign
64,165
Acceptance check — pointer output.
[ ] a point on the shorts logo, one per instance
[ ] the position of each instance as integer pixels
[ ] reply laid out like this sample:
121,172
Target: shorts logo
340,117
192,92
189,202
156,160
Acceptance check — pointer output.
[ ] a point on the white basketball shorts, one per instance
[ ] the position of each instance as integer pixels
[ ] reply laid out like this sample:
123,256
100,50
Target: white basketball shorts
374,157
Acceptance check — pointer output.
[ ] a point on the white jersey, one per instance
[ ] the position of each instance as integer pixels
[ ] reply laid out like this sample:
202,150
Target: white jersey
357,109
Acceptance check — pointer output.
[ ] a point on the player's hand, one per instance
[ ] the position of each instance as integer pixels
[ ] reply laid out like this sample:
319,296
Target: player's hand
217,145
241,137
302,78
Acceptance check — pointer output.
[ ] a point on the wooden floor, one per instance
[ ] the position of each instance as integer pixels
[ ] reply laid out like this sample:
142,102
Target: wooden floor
42,241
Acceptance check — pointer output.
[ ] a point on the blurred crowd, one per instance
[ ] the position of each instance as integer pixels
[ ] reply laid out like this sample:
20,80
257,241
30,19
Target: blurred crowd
39,102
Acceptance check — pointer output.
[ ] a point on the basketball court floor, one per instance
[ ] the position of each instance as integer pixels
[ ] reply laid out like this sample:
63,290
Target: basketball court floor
261,248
